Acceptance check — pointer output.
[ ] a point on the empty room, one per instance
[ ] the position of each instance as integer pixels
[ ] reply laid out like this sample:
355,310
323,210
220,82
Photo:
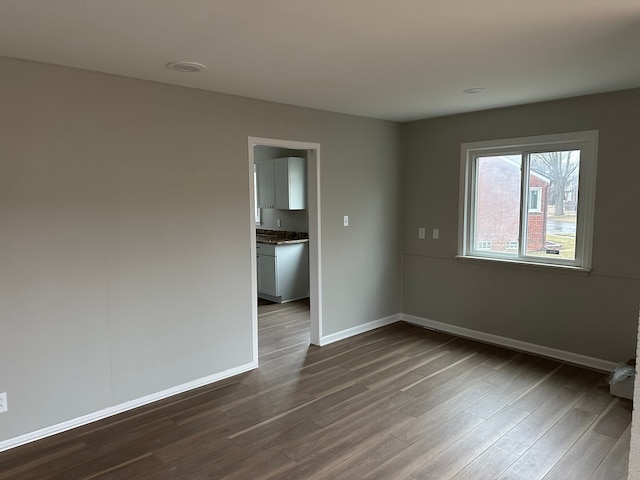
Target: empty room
319,240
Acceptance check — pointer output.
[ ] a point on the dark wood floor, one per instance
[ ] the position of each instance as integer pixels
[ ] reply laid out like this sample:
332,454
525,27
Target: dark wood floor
399,402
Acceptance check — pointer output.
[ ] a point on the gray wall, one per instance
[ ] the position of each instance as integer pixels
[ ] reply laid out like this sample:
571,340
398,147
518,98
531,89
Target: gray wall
595,315
125,234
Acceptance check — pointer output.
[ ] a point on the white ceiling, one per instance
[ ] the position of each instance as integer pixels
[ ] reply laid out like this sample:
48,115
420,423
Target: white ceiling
392,59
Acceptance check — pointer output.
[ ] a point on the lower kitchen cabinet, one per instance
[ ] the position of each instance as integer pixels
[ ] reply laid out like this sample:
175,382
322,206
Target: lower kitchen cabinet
283,271
267,275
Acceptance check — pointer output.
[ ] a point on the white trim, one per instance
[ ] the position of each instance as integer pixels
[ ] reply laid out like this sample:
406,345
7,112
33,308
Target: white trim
123,407
253,254
313,206
358,329
562,355
525,143
587,191
315,252
531,266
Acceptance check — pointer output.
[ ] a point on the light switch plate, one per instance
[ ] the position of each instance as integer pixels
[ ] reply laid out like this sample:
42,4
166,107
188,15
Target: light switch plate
346,220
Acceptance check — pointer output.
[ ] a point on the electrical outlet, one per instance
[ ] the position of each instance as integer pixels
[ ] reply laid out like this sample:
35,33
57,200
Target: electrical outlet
421,233
279,222
436,233
3,402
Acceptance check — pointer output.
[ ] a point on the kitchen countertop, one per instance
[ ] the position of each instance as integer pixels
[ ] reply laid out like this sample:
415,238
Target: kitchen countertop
274,240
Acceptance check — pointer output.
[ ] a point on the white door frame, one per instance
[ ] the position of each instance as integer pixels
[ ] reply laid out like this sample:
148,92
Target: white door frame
313,208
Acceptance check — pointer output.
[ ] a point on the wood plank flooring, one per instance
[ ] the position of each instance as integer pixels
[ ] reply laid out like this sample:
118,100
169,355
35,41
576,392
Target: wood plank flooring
399,402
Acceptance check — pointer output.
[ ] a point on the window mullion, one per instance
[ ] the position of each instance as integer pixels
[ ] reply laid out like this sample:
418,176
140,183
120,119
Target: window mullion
524,192
472,202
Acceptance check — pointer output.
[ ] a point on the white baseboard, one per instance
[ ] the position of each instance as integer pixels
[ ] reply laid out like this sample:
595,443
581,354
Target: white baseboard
562,355
123,407
350,332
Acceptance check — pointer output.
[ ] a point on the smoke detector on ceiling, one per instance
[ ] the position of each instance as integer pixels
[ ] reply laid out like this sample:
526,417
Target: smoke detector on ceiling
474,90
186,67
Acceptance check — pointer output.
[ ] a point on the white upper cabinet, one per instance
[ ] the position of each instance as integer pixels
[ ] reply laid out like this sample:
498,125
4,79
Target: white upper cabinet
282,183
265,183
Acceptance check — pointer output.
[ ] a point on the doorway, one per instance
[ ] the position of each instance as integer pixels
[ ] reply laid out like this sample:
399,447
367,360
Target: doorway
313,207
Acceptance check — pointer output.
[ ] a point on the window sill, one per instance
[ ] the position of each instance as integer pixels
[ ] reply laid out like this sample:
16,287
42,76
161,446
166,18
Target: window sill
538,267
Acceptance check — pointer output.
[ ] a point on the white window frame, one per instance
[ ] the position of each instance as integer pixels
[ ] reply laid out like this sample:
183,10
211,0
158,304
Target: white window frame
586,142
539,191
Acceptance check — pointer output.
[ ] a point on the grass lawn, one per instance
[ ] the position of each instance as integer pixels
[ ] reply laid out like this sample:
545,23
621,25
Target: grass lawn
563,218
568,249
569,215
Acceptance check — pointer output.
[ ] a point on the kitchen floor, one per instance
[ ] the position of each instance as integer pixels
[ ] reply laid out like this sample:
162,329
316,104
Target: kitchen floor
282,327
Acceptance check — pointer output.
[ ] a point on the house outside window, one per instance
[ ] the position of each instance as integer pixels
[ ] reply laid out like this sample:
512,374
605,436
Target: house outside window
529,200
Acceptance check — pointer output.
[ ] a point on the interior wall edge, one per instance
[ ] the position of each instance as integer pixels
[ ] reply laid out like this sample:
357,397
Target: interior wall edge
634,449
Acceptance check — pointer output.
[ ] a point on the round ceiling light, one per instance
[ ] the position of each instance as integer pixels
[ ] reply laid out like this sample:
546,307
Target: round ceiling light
474,90
186,67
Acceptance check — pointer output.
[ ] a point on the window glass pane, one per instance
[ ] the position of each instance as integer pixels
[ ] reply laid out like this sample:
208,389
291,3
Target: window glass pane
535,194
497,204
551,228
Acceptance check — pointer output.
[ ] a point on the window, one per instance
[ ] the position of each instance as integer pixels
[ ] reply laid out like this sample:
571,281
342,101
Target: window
529,200
484,245
535,195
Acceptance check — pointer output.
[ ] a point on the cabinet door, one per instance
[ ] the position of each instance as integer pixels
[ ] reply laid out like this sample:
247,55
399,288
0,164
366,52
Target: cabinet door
267,275
293,271
266,192
289,180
